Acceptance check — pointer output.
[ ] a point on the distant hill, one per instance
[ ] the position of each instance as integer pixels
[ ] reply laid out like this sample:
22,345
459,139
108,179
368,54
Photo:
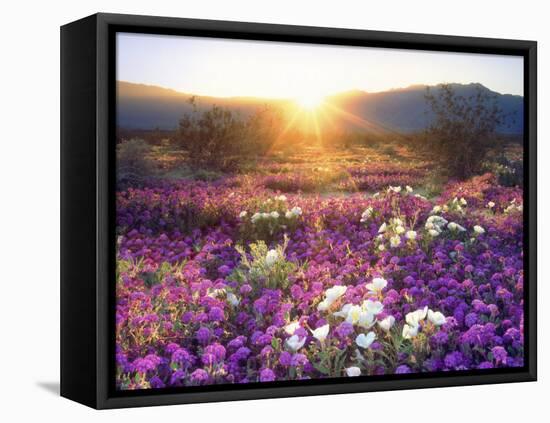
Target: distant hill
402,110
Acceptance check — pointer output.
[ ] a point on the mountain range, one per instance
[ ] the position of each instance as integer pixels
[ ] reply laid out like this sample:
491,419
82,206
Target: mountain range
403,110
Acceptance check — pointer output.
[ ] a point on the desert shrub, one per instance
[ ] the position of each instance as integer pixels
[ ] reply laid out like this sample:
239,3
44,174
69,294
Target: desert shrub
133,165
261,130
211,136
464,129
219,138
388,150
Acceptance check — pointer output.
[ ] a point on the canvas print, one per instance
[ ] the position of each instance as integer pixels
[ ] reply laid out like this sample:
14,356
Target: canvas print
290,212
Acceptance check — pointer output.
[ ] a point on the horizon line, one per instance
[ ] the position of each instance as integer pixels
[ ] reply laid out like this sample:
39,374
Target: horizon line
251,96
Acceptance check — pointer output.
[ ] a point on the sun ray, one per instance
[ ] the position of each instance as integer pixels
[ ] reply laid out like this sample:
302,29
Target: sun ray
317,130
285,130
364,123
309,101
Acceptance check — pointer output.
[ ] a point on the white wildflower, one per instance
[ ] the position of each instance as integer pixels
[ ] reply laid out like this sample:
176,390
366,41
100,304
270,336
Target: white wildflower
410,331
435,224
436,317
365,341
321,333
396,221
356,315
374,307
331,295
297,211
343,311
292,327
395,241
455,227
387,323
353,371
396,189
353,313
377,285
437,220
415,317
366,214
271,257
366,319
479,230
323,305
233,299
295,343
411,235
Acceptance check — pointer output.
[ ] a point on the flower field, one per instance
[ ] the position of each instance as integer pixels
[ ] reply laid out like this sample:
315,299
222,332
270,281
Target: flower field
313,267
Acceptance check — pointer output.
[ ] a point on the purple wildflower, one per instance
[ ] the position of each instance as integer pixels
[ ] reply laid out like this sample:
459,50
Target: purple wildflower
267,375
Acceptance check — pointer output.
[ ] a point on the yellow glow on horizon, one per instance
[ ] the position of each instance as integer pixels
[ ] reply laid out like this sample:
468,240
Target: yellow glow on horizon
309,101
266,69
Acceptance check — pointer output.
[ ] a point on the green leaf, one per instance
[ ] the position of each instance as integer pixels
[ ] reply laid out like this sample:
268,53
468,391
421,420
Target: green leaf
275,343
322,367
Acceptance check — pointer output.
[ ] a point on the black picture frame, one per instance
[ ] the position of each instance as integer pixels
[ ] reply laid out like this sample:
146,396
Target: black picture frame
87,207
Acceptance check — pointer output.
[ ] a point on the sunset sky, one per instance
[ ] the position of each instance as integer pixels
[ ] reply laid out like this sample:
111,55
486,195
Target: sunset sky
229,68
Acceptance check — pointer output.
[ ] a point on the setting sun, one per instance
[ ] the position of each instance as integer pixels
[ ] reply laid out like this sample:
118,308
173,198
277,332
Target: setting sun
309,101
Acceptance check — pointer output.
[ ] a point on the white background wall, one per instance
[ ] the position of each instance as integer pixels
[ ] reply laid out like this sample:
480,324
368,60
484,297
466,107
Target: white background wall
29,208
